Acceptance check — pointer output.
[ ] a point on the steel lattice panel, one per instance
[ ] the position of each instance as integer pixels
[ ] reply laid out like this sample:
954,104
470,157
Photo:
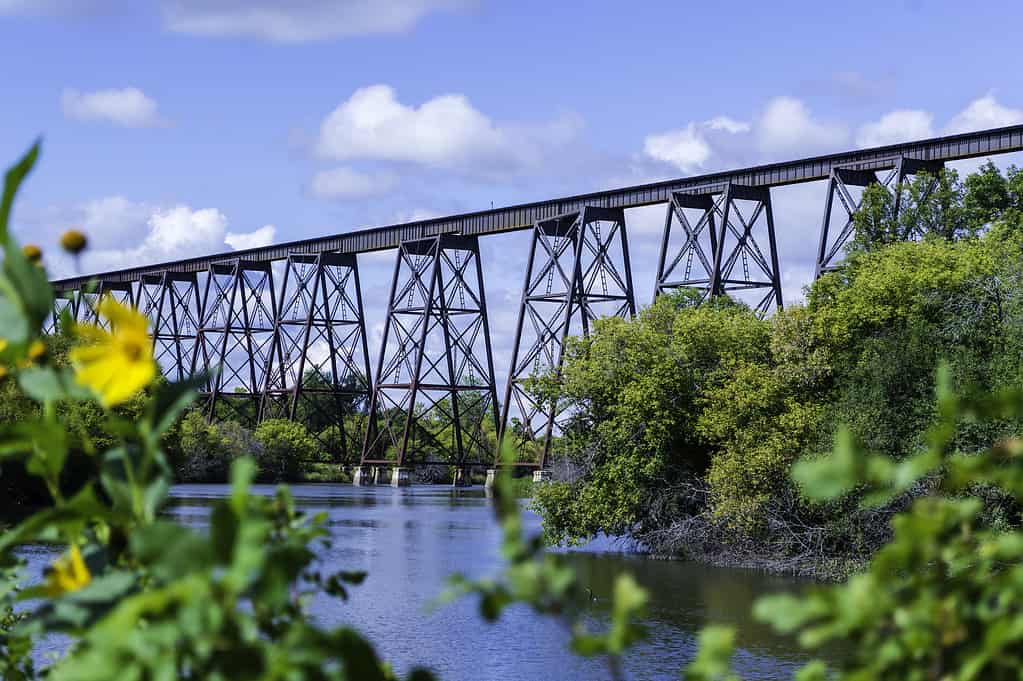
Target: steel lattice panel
435,400
319,363
171,301
847,186
578,271
234,338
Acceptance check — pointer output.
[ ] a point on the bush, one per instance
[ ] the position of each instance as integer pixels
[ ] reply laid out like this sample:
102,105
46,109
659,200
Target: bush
284,446
207,450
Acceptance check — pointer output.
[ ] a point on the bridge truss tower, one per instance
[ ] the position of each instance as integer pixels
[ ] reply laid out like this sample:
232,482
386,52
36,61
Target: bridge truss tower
66,300
234,337
578,270
847,184
318,369
88,299
171,301
435,393
712,244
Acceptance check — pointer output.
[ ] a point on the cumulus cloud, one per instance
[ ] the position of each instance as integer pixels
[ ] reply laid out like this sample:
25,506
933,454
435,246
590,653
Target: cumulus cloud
240,241
982,114
444,132
689,148
897,126
124,233
128,107
686,149
345,183
786,125
298,21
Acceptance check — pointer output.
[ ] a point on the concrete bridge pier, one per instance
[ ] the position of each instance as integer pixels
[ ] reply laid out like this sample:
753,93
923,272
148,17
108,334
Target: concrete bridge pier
401,477
362,476
462,477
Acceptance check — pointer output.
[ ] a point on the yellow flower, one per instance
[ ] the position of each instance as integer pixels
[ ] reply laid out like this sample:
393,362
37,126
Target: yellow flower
36,351
68,573
118,363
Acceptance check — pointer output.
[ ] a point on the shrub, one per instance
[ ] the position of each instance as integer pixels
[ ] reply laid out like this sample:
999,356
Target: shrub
285,445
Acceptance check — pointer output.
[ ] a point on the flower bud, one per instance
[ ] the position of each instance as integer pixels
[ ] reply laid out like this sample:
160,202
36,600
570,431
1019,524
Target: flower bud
32,252
73,241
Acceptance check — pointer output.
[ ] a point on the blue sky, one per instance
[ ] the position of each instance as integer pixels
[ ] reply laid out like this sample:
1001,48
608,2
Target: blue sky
183,127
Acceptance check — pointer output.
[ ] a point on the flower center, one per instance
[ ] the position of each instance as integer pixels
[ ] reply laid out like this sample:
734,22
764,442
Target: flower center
132,349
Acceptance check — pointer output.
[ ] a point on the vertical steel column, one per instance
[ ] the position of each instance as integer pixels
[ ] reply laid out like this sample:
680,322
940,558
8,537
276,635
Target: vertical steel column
578,268
435,391
833,241
235,331
172,302
737,243
319,362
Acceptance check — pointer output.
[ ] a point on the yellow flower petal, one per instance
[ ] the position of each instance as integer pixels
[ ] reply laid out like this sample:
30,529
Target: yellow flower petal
67,574
118,363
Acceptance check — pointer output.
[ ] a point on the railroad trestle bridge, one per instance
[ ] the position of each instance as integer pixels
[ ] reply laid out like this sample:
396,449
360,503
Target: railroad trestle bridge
298,348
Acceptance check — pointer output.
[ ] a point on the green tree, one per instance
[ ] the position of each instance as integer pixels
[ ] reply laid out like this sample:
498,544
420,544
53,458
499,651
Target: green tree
285,445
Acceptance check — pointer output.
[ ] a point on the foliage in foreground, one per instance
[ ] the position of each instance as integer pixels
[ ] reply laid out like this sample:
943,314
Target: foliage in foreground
143,597
944,598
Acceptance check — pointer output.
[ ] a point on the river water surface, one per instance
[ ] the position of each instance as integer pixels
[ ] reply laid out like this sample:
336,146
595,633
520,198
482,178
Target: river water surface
411,539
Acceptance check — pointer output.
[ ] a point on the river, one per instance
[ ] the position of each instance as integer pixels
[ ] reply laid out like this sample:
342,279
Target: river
410,540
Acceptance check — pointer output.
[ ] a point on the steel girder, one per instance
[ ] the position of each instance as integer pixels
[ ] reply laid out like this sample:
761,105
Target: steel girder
708,249
578,270
435,392
234,337
841,182
172,302
319,361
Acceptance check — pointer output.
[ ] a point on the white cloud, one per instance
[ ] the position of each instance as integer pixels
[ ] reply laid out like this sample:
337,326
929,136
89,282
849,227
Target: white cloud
982,114
444,132
727,124
298,21
129,107
124,233
345,183
787,126
686,149
896,126
240,241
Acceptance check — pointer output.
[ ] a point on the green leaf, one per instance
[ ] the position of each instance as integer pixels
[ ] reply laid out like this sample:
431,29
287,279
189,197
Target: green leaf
42,384
171,399
12,181
831,476
13,325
